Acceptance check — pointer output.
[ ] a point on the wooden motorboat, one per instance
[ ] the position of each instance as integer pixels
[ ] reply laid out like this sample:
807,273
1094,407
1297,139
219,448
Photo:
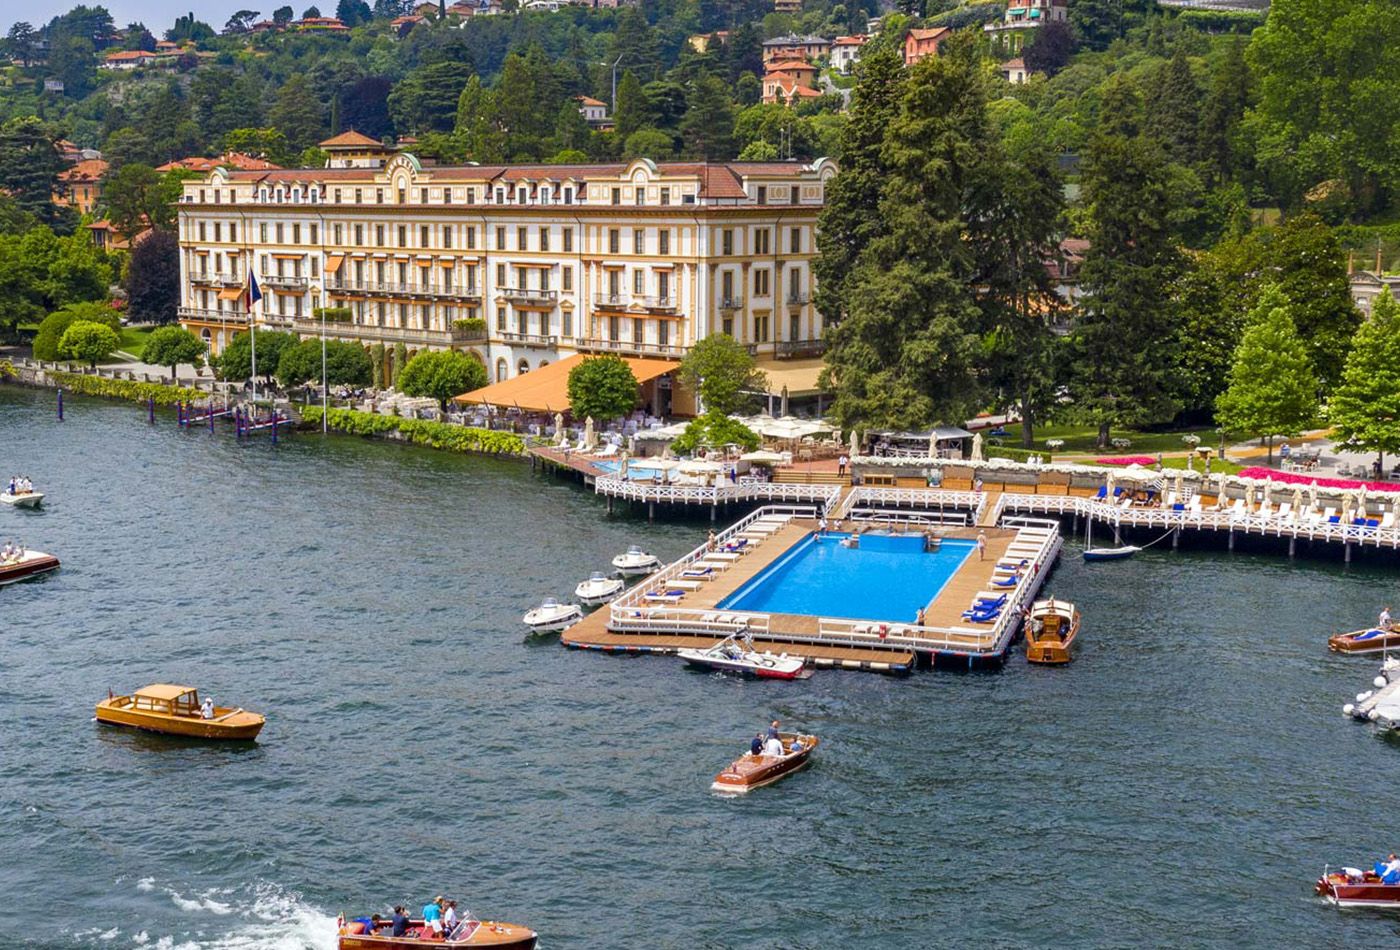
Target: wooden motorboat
552,615
22,499
1051,630
598,589
1353,887
469,933
750,771
1370,640
27,565
1111,554
176,711
636,562
736,654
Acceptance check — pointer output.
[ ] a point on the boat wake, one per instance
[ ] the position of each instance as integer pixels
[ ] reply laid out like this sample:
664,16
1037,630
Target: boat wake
261,916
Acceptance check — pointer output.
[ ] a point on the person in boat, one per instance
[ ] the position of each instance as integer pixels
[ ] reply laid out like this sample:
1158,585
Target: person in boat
432,915
12,484
398,924
206,709
756,746
773,729
797,746
1383,621
773,746
449,917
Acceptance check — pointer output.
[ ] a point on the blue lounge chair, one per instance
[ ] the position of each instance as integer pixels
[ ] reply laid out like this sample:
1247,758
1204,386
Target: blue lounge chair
1009,582
1103,492
996,601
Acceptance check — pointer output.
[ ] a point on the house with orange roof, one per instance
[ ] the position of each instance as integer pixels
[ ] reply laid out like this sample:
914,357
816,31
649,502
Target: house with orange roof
1022,16
1014,71
322,24
789,81
921,44
80,185
127,59
594,112
238,160
355,150
845,50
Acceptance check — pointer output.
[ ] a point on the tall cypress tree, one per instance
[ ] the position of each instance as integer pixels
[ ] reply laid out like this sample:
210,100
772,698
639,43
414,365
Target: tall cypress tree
1224,108
1176,108
1125,332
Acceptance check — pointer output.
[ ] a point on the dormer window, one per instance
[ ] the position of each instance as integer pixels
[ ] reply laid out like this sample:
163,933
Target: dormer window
262,195
522,195
296,195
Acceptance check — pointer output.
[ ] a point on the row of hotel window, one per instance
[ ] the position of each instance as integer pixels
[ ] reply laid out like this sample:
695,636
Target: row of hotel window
278,233
522,194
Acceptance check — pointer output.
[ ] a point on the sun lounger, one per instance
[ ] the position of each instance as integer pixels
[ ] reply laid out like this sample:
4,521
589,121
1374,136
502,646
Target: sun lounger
1389,520
989,597
1194,504
722,556
669,597
711,564
703,573
683,585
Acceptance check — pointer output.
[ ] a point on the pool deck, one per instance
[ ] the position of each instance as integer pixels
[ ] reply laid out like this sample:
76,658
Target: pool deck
810,636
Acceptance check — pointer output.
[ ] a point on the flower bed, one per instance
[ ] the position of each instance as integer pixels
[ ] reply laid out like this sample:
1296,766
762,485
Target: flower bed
1143,460
1295,478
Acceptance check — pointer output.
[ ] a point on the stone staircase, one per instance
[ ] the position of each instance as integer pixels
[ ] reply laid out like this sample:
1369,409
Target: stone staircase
787,476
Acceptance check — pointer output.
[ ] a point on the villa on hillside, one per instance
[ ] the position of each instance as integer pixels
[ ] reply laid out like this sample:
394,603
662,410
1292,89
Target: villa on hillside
845,51
790,81
792,46
80,185
1024,15
921,44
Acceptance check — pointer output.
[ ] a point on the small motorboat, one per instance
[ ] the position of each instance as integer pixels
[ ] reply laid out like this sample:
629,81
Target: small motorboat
1370,640
1353,887
360,934
1382,704
750,771
22,499
176,710
1051,630
636,562
552,615
598,589
736,654
26,565
1111,554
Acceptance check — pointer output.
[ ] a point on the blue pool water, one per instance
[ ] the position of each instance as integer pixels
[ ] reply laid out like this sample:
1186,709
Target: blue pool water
635,472
887,578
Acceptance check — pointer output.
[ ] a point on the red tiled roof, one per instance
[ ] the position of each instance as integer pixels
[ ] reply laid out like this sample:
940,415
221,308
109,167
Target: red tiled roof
89,169
920,35
127,55
791,66
590,101
351,139
1017,63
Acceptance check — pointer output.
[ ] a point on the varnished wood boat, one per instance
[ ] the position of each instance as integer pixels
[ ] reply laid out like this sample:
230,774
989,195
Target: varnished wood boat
1370,640
750,771
30,564
175,711
1051,631
1353,887
471,933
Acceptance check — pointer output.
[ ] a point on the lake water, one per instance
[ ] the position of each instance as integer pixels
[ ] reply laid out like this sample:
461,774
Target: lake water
1180,784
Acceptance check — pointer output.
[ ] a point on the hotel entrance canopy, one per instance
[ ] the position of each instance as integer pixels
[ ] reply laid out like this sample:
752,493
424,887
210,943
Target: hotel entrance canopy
547,389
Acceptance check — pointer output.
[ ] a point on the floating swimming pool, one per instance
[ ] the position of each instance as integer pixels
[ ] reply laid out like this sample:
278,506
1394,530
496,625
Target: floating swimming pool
636,470
888,577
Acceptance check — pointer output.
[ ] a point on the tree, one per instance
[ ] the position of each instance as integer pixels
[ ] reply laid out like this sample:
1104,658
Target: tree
56,324
29,165
1126,329
137,196
1097,22
283,15
1050,48
353,12
1176,108
171,346
73,59
721,370
1222,112
759,151
602,388
708,126
1365,408
235,362
311,12
188,28
87,341
363,107
347,364
648,143
298,114
398,359
442,374
153,279
633,110
19,42
1308,263
1272,389
426,99
715,429
241,22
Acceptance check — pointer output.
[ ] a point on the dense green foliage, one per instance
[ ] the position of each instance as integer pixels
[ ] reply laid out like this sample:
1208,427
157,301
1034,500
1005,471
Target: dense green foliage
153,279
171,346
714,429
163,394
56,324
41,271
347,364
437,435
602,388
722,371
1365,408
442,374
87,341
235,361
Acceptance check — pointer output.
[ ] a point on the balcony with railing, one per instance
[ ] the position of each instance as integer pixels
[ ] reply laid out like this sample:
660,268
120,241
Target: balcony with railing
654,302
529,339
216,280
285,281
629,347
731,302
530,295
213,316
796,298
369,332
612,301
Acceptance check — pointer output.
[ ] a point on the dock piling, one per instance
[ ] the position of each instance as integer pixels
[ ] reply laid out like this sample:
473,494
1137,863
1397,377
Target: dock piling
1346,553
60,404
151,410
1292,545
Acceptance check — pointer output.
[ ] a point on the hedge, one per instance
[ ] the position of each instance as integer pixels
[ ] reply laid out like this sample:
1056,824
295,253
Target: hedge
437,435
163,394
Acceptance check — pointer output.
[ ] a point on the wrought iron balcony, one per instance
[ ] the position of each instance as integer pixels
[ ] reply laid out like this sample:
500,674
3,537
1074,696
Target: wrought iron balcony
627,346
530,295
212,316
612,301
731,302
529,339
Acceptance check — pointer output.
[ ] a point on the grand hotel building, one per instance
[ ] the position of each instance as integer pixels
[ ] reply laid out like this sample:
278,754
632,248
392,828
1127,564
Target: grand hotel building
639,259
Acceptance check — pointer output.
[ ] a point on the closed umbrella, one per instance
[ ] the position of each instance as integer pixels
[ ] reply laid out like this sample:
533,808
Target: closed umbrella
855,443
1180,485
625,465
588,435
1361,501
1297,499
1312,494
977,447
1108,481
784,402
558,428
933,444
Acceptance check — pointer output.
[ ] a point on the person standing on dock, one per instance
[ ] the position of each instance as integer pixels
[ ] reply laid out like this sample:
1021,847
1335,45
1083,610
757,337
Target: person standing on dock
841,464
981,545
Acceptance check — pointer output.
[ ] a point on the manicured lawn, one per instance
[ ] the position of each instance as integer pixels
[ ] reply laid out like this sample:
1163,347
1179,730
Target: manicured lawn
134,338
1081,439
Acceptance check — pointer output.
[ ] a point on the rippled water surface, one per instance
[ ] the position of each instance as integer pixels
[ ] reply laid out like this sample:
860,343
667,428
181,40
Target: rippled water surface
1180,784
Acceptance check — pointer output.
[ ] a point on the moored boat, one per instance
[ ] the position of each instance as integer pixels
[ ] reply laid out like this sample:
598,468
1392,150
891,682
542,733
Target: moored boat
1051,631
1353,887
177,711
1111,554
552,615
22,499
26,565
598,589
1371,640
736,654
636,562
751,771
355,935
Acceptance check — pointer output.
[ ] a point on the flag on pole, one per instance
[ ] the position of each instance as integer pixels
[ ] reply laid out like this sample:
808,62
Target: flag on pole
254,294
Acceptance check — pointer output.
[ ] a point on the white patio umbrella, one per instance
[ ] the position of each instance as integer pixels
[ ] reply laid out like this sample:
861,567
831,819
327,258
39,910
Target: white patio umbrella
762,456
698,467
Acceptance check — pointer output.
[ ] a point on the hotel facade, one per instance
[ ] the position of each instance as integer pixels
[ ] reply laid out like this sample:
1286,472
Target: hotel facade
519,265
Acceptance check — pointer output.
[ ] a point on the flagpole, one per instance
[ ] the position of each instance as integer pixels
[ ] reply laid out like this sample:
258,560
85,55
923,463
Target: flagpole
253,336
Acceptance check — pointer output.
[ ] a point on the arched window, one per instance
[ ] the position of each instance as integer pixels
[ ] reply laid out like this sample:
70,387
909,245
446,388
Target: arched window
502,370
523,368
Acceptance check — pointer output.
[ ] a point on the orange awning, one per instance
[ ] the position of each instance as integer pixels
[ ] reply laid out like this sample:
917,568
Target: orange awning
333,263
231,293
547,389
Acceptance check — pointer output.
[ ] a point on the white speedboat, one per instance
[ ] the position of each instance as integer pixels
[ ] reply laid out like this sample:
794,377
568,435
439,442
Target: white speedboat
24,499
552,615
736,654
598,589
636,562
